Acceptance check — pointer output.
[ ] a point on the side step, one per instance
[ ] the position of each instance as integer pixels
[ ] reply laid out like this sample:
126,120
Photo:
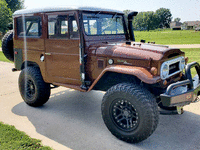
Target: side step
75,87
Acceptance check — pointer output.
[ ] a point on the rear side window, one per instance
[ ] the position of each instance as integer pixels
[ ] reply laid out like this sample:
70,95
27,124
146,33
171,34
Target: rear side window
33,26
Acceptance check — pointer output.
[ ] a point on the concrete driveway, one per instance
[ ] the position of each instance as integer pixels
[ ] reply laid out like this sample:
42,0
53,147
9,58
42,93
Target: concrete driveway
72,120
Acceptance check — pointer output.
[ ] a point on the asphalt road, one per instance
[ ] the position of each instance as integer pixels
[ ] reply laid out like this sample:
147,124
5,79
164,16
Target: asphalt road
72,119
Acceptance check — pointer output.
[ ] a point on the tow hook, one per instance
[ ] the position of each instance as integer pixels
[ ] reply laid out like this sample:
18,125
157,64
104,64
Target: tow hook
179,110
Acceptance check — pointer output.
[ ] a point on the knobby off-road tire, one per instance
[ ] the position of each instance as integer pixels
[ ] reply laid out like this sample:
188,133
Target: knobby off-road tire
7,45
130,112
33,89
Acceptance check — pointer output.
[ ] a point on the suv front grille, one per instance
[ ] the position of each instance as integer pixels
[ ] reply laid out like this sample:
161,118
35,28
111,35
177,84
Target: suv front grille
174,68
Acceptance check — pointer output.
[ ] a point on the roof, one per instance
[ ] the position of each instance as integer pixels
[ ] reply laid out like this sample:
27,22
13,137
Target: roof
54,9
192,23
174,24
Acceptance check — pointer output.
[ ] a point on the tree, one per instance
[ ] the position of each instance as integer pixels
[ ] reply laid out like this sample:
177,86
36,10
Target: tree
145,21
126,12
7,7
177,19
138,22
6,16
15,4
151,20
163,17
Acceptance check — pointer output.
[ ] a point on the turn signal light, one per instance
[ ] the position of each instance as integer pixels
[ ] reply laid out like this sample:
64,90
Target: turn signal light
186,60
154,71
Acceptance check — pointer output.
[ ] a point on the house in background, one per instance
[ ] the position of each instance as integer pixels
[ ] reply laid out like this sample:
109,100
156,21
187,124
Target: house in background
190,25
187,25
175,25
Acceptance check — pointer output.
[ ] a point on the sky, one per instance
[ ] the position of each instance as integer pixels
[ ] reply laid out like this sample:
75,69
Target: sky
187,10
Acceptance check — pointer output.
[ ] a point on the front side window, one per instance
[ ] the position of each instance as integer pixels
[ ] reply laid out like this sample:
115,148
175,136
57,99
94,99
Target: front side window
74,33
62,26
33,26
103,24
58,26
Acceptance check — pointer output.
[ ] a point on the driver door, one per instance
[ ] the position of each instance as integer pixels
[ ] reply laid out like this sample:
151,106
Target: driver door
62,50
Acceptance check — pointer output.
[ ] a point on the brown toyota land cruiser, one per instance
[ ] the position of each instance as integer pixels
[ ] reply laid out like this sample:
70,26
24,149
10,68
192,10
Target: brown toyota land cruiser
88,49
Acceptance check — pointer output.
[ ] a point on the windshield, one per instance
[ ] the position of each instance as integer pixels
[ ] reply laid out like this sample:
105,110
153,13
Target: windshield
102,24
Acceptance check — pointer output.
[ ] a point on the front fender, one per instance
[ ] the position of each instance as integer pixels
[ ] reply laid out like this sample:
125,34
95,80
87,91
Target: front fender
143,74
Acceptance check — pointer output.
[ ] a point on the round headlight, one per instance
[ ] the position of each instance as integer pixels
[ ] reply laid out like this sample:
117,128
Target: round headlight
182,64
110,61
164,71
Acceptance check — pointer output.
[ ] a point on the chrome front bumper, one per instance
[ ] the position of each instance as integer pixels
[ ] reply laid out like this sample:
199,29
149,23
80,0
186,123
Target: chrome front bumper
183,92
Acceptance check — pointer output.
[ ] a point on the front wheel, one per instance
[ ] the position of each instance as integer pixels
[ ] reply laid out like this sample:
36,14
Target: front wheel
130,112
33,89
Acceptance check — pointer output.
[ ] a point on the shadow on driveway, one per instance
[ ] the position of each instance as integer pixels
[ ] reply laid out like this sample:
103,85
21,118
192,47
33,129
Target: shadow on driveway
74,119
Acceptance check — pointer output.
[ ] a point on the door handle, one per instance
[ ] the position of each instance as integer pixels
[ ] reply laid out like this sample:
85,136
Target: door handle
48,54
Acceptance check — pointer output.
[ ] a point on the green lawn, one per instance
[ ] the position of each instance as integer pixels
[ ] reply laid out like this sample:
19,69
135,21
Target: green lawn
169,36
11,138
3,58
194,55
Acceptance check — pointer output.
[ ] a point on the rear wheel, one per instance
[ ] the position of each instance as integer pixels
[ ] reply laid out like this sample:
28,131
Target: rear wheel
33,89
130,112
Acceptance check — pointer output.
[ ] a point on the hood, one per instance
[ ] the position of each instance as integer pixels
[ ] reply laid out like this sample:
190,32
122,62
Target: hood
136,50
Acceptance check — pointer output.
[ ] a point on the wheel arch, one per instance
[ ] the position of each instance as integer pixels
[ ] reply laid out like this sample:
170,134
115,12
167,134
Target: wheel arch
29,64
110,79
122,74
34,64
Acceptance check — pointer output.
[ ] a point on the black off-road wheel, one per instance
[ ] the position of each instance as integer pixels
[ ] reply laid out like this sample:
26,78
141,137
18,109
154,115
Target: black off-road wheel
130,112
33,89
7,45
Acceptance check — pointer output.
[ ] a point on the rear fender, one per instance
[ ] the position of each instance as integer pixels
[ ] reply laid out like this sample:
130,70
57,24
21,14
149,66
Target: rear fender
34,64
